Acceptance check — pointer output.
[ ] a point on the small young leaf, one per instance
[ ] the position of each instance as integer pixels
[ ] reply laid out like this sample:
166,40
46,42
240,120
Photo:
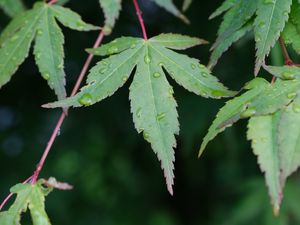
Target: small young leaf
262,131
170,7
12,8
269,23
28,196
111,9
71,19
152,102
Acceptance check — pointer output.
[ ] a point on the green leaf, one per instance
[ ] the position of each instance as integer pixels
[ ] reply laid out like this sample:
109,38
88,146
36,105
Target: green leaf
262,99
231,112
236,23
177,41
15,49
71,19
62,2
291,32
39,23
186,4
152,102
50,59
12,8
171,8
111,9
289,138
284,72
28,196
262,131
269,23
221,47
154,112
116,46
226,5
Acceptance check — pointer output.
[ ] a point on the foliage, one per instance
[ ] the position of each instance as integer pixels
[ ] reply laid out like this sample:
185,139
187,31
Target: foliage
272,107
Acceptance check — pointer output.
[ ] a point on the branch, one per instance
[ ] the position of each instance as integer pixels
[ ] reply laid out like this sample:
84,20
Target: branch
287,59
139,15
63,114
61,119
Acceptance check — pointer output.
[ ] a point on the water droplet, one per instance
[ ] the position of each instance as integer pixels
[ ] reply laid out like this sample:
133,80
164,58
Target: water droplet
147,59
112,50
133,46
161,64
46,76
39,32
146,136
160,116
296,107
288,75
248,113
14,38
292,95
156,75
138,112
102,70
193,66
201,66
125,78
86,99
261,24
204,74
171,91
80,24
269,1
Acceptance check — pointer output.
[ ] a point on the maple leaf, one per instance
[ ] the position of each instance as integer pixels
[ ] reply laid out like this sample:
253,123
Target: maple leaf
269,16
152,103
30,197
39,23
12,8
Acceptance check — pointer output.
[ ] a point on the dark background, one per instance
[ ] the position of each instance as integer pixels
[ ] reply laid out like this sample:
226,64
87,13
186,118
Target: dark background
116,175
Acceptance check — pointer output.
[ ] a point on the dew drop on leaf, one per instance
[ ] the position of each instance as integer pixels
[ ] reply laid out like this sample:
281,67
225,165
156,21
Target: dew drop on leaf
160,116
156,75
147,59
86,99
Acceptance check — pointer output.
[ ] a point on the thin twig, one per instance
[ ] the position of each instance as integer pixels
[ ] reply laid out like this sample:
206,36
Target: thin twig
63,114
139,15
51,2
287,59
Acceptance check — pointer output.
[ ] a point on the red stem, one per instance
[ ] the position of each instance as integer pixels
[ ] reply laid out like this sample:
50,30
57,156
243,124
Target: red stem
287,59
11,194
139,15
63,114
51,2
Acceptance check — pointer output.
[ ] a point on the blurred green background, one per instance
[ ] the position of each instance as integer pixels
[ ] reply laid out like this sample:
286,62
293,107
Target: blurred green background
117,178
